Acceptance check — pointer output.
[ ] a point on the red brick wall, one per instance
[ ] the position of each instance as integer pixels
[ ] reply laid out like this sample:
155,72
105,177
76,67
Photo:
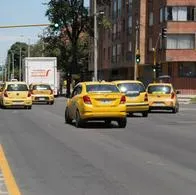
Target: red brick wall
181,2
181,55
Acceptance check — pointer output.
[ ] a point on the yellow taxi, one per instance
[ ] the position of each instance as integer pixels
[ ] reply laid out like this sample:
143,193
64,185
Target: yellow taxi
1,88
136,96
96,101
15,94
41,92
162,96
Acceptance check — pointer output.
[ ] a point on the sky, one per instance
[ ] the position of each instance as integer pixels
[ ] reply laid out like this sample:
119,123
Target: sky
20,12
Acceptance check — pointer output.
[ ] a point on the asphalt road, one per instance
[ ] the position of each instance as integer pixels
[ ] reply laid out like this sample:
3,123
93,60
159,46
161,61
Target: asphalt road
151,156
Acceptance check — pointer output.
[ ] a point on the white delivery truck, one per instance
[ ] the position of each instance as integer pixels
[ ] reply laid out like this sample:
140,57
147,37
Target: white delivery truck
41,70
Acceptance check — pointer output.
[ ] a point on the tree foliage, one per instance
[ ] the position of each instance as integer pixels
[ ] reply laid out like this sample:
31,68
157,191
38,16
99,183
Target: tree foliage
72,18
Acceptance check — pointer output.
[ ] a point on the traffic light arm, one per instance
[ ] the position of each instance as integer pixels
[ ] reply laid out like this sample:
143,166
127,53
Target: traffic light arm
25,25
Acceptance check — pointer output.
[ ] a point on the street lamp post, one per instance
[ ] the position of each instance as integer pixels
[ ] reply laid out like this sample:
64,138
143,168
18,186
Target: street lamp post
95,40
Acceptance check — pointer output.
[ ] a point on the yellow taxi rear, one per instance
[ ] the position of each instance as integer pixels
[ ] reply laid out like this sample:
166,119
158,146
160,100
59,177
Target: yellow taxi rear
16,94
162,96
136,96
96,101
42,93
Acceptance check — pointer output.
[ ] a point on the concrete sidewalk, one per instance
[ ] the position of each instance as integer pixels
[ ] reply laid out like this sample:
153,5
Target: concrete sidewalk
185,99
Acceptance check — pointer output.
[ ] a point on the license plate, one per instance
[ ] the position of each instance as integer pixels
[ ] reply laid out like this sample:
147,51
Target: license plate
41,98
105,101
17,103
158,104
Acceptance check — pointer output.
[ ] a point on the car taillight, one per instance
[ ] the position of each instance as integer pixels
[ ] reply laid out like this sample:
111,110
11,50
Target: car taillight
172,95
123,99
5,94
29,93
87,99
146,98
51,92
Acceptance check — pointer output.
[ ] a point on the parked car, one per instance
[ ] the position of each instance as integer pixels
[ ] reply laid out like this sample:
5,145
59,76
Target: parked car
162,96
41,92
15,94
136,96
96,101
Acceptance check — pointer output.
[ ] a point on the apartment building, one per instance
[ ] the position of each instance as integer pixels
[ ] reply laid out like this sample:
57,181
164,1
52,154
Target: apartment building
176,53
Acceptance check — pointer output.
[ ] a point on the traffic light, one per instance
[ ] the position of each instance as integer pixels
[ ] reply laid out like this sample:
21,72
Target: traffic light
137,58
55,26
164,32
158,69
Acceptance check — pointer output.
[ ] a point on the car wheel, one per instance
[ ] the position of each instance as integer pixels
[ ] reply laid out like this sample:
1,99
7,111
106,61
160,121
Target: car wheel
122,122
79,121
174,110
29,107
130,114
51,103
145,114
107,122
67,118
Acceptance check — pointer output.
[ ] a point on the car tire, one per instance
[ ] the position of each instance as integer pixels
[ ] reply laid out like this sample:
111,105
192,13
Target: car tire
51,103
67,118
107,122
79,121
122,122
130,114
29,107
145,114
174,110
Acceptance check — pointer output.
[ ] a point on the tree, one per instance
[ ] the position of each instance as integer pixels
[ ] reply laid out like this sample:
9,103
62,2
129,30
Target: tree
72,17
15,54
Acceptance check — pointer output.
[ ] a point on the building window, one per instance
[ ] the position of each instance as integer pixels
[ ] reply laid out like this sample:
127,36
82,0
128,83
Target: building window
114,54
130,46
185,41
114,9
151,19
114,32
161,15
180,13
109,53
187,69
119,7
129,25
150,44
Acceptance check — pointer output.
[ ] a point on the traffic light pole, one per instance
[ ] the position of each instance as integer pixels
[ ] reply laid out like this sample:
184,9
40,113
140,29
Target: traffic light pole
155,57
136,50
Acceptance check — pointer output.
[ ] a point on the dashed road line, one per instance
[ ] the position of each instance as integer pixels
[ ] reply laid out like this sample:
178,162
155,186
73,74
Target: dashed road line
7,182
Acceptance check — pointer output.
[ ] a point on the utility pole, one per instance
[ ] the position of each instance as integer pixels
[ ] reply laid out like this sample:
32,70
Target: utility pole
8,68
95,40
136,50
20,65
29,47
12,77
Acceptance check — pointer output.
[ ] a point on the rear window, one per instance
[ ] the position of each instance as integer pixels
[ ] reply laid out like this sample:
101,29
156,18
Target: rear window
159,89
126,87
102,88
41,87
17,87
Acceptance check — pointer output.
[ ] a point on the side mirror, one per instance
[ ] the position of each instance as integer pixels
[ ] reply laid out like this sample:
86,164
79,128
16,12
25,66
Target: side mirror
177,92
